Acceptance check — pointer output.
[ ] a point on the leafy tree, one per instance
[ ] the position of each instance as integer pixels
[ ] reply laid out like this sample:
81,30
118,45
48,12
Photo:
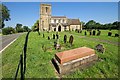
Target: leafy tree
19,28
90,24
97,26
26,29
35,26
8,30
5,15
116,25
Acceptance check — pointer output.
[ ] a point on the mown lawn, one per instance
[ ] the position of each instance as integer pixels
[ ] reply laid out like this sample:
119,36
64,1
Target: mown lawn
38,61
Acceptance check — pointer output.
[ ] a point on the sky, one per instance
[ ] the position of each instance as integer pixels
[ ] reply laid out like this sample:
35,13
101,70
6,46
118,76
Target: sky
27,13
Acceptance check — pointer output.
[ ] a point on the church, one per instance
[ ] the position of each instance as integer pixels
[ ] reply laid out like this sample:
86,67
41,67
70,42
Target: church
47,22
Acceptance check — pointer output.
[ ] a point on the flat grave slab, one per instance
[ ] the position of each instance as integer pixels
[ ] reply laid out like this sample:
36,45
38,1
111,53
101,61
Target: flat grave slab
69,55
70,60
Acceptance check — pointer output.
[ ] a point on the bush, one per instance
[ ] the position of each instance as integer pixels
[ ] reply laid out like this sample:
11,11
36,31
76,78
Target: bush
8,30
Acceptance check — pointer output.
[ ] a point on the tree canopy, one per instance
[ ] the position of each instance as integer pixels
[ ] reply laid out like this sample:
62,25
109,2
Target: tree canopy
96,25
36,25
5,15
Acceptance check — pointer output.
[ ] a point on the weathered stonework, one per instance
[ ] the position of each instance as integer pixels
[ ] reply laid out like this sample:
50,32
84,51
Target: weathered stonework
47,22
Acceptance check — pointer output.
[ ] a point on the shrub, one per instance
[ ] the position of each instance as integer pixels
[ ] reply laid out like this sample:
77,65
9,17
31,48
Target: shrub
8,30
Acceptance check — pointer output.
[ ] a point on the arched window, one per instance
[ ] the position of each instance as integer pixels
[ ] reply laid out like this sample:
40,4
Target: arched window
46,9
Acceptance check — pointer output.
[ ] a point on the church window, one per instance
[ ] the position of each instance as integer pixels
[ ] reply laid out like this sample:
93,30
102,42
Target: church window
46,9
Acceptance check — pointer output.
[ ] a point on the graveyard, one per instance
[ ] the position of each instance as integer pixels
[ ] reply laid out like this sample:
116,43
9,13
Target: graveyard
41,50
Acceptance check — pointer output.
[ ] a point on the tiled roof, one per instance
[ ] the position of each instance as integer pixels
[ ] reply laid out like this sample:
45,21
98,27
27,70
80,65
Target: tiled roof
73,22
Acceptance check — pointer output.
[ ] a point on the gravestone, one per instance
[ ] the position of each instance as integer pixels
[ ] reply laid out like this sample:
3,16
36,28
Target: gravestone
65,38
90,33
71,40
80,31
116,35
55,43
99,32
53,36
85,33
43,35
100,48
109,33
94,32
48,38
57,36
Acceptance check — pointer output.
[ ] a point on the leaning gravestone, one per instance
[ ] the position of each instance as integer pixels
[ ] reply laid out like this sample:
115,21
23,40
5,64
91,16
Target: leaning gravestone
80,31
99,32
65,38
71,40
53,36
100,48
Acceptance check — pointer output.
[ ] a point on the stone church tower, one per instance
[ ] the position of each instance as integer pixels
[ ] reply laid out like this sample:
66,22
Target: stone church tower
45,16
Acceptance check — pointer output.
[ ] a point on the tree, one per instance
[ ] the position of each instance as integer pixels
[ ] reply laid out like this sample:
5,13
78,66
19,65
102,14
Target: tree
5,15
97,25
19,28
8,30
90,24
35,26
26,29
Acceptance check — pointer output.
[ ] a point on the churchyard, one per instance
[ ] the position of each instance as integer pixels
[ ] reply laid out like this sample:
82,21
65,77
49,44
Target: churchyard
40,51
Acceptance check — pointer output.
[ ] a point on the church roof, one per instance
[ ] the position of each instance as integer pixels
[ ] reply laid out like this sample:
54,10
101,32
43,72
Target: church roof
73,21
58,16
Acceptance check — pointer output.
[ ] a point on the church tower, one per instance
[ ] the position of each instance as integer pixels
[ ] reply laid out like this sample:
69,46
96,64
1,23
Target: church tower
45,16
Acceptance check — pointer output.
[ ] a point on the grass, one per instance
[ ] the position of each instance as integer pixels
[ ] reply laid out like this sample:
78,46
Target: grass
38,61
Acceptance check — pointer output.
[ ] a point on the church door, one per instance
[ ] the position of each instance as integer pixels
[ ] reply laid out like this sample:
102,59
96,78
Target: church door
59,28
